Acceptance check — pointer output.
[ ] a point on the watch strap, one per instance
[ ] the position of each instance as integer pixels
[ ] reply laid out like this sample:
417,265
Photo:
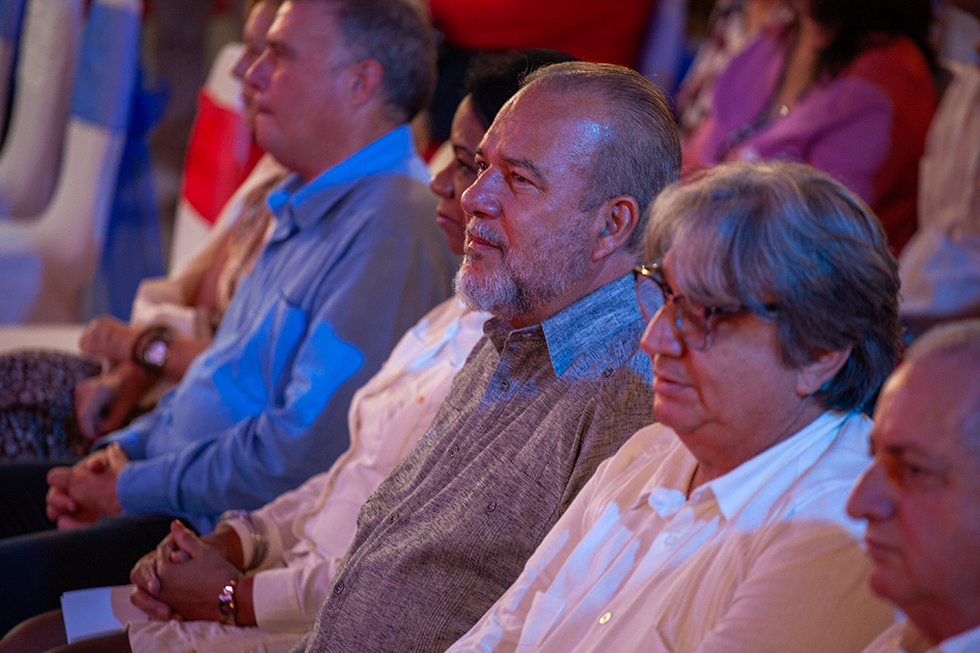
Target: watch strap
227,606
152,348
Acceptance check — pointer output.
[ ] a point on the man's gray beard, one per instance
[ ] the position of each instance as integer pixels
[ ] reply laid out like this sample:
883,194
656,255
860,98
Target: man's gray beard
497,293
515,287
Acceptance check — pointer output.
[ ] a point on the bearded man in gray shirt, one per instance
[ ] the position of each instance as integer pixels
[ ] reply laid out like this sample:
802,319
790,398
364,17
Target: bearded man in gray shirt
566,173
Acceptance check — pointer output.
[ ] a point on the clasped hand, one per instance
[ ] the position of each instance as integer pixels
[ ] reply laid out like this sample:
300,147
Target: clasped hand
181,578
83,493
106,336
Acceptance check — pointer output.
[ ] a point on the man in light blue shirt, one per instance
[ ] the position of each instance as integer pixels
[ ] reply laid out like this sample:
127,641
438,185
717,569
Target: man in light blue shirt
356,258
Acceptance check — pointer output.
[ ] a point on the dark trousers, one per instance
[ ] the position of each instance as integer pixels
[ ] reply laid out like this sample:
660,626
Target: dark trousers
38,563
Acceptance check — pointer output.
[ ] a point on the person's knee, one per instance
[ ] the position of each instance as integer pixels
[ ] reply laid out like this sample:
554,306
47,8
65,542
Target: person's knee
40,633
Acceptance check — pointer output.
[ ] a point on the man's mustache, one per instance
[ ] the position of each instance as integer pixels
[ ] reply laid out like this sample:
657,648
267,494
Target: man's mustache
483,232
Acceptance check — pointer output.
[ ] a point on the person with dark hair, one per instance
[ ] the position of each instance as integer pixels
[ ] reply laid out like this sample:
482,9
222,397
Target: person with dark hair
354,261
491,80
554,387
772,301
846,87
585,29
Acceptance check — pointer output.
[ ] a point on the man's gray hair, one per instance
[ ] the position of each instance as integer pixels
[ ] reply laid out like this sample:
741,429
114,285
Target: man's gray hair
787,234
960,342
398,35
639,153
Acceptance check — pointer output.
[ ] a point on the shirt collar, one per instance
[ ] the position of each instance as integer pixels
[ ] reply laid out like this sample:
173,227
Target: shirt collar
300,205
963,643
590,322
799,451
577,329
732,491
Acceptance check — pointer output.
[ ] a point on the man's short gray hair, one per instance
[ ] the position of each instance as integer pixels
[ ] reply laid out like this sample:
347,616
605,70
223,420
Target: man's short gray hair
787,234
640,152
397,34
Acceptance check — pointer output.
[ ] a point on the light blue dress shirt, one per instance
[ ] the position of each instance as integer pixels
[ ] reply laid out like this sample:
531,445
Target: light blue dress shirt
355,260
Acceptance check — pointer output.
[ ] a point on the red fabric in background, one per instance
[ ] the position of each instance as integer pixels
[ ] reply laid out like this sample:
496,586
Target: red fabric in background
210,175
217,6
593,30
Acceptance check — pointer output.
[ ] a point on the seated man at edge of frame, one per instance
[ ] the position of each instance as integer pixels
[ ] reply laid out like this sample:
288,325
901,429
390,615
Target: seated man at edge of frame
921,495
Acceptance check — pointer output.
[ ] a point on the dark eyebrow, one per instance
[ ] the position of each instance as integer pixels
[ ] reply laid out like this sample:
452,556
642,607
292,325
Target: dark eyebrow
460,148
278,46
528,165
901,450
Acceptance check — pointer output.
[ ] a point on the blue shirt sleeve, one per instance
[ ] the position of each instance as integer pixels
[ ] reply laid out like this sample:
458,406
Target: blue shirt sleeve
134,437
257,458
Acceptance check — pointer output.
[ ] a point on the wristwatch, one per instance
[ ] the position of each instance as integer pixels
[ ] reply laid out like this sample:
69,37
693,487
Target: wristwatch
152,349
227,606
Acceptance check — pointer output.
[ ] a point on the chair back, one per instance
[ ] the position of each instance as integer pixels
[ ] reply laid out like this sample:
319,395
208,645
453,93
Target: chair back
46,265
11,20
46,63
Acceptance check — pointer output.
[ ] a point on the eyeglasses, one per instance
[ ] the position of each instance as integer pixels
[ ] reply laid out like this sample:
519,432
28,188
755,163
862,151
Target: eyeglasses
694,322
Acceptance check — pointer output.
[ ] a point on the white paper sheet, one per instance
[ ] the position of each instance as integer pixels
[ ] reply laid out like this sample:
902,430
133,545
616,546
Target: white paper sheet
98,611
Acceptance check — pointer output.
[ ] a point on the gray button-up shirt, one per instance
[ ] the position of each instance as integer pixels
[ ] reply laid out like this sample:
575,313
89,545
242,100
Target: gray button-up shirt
527,421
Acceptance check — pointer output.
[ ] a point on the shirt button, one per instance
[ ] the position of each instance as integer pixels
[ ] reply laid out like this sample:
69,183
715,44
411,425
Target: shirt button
604,618
453,451
503,386
338,588
491,506
393,518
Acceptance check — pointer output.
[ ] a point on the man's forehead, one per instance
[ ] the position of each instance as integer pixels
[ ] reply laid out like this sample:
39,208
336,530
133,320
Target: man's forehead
536,102
545,121
303,24
922,406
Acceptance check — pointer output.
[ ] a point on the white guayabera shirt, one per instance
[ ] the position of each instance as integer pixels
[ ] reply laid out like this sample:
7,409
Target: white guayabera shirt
760,559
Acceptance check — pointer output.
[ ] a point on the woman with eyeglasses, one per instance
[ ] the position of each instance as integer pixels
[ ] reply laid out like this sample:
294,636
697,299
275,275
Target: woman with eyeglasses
772,300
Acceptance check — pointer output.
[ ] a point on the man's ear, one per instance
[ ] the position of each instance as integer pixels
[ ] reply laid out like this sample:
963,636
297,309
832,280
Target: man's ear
812,376
366,76
619,217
